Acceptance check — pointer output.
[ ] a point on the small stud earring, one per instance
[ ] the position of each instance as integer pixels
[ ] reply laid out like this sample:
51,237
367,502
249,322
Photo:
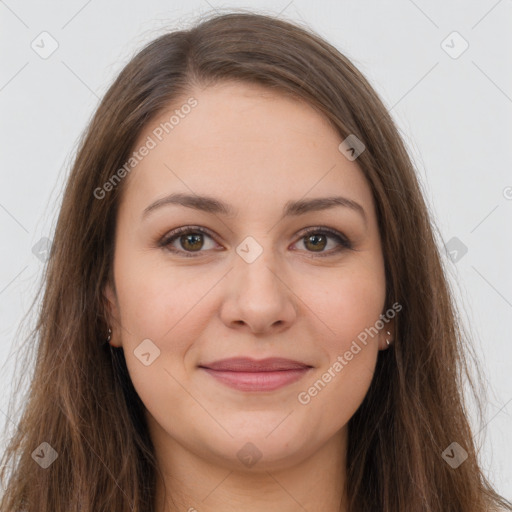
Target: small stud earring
388,342
109,335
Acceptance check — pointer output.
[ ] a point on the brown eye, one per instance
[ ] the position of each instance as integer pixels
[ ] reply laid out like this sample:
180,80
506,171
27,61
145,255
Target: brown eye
191,242
186,241
316,242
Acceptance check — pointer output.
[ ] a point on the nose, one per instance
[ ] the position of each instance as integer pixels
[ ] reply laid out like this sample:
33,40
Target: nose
258,298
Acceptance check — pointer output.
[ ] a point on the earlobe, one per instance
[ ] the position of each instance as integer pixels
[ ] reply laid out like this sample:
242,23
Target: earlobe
386,337
112,336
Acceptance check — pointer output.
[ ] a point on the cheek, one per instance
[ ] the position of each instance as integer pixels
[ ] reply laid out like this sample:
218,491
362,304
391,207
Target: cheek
157,301
153,305
350,308
349,305
159,304
332,397
337,388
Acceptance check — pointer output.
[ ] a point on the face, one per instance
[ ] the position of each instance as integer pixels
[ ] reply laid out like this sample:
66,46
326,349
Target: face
288,290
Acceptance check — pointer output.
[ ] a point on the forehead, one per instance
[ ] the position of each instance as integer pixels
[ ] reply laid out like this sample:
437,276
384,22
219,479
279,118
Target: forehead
244,143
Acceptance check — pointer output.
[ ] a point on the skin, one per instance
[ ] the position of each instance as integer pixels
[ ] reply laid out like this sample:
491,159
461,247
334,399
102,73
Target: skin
255,150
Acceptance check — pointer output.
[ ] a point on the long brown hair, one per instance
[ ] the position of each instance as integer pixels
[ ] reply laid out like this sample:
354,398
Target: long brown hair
81,401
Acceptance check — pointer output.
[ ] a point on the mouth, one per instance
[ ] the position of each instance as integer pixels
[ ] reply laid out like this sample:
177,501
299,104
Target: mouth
246,374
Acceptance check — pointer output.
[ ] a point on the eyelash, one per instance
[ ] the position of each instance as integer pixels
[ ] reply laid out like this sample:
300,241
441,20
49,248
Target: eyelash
166,241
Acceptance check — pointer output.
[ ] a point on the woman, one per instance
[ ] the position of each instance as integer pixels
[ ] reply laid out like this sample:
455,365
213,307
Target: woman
245,307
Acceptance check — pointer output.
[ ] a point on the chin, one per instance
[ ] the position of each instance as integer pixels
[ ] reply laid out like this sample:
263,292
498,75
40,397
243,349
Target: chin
258,448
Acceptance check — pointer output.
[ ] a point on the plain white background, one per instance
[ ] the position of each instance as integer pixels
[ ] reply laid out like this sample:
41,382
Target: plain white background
453,108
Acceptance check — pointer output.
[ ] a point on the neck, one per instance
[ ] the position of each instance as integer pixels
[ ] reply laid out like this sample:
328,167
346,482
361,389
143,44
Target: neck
192,483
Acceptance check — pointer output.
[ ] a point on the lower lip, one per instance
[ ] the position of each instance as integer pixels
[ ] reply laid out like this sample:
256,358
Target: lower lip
257,381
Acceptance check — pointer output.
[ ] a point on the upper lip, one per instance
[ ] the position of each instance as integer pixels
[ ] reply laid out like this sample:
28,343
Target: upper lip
246,364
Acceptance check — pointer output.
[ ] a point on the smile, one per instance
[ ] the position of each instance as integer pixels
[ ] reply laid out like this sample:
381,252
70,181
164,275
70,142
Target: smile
245,374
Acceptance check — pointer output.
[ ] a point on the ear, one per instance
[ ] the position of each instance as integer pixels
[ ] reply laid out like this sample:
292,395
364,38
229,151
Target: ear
112,315
383,335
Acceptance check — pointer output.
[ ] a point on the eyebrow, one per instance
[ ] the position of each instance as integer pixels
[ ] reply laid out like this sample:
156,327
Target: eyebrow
292,208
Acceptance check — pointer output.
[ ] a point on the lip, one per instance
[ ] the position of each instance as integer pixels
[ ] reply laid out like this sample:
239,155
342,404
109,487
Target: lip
246,374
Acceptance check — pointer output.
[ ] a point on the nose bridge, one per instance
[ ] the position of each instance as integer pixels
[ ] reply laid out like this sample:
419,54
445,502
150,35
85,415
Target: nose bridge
257,263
